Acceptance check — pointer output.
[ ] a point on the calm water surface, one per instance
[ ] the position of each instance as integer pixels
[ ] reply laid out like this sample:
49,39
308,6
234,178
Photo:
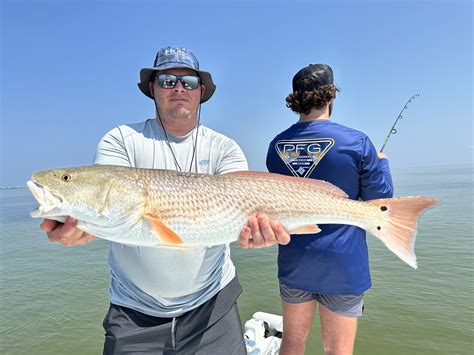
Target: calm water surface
53,298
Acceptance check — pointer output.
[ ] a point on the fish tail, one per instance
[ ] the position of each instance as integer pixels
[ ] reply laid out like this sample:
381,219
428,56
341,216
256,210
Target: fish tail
398,233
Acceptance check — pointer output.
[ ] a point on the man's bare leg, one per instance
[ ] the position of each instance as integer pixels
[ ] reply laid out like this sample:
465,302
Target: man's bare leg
297,320
337,332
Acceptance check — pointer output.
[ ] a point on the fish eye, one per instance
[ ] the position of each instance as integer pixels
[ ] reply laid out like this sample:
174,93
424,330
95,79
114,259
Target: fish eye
66,177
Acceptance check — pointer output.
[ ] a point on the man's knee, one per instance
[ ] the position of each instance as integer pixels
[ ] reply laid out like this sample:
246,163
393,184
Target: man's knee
296,335
335,350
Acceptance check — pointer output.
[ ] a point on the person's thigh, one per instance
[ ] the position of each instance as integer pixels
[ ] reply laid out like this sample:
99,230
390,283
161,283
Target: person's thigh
297,319
214,327
130,332
298,312
338,319
203,333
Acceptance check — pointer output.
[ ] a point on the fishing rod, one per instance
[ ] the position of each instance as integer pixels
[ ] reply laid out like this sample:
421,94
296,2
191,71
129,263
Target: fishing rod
393,130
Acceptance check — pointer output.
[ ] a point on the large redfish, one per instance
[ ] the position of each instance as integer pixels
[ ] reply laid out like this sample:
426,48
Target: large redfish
167,208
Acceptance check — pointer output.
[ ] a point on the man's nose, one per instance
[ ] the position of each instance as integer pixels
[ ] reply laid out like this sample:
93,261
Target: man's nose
179,86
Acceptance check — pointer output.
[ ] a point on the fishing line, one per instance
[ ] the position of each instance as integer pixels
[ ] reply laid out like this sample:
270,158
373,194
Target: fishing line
393,130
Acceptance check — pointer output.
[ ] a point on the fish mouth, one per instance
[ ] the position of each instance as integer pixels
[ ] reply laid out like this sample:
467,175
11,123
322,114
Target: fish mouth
47,199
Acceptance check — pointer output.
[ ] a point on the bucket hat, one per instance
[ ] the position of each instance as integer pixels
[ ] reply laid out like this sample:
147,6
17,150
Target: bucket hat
176,57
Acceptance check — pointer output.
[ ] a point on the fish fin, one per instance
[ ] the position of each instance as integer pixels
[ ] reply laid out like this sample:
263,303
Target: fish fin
320,184
308,229
177,247
162,231
399,233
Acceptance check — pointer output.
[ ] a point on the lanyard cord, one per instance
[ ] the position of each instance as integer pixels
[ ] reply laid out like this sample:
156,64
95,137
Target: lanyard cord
169,144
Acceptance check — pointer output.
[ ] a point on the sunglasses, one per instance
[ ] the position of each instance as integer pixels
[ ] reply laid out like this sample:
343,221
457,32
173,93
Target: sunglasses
169,81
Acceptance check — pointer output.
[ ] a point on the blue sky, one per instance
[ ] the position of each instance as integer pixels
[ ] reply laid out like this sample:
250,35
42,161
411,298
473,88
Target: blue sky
69,71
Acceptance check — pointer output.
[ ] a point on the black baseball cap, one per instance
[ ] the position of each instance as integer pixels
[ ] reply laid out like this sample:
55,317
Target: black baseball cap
312,77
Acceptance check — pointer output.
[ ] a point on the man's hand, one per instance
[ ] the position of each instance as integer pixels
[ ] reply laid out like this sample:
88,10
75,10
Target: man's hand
261,232
381,155
67,233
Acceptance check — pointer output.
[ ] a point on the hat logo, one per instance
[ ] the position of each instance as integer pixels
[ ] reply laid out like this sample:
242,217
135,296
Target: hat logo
302,156
169,51
173,57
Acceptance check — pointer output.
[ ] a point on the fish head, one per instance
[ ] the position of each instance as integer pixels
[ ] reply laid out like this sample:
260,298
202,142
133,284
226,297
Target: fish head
98,194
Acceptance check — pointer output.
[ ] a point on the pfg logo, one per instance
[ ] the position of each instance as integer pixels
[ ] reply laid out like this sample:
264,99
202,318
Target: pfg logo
302,156
297,149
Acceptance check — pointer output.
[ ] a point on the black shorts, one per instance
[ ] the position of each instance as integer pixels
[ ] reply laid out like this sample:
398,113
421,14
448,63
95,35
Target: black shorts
212,328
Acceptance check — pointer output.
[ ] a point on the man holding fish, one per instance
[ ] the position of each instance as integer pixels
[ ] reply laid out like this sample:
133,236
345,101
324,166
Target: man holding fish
168,299
172,194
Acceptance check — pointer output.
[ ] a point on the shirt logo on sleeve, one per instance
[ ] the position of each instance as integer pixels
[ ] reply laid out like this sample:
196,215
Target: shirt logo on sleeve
303,155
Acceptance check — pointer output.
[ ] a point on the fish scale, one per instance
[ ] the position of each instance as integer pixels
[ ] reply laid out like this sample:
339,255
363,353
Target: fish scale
212,201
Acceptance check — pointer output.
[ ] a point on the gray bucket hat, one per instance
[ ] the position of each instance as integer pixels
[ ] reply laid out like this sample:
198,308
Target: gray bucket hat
176,57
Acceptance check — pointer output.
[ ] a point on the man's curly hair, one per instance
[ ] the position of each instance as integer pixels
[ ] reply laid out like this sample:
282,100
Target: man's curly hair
305,101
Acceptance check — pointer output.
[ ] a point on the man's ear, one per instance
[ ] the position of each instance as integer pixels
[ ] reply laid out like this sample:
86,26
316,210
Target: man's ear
203,89
150,86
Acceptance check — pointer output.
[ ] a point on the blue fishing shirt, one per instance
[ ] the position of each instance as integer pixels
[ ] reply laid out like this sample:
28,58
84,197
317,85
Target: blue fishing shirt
335,260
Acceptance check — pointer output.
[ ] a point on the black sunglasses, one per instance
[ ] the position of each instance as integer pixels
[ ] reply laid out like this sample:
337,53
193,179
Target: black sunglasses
169,81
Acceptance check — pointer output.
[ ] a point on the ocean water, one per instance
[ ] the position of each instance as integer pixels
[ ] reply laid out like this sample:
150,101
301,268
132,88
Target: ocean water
53,298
